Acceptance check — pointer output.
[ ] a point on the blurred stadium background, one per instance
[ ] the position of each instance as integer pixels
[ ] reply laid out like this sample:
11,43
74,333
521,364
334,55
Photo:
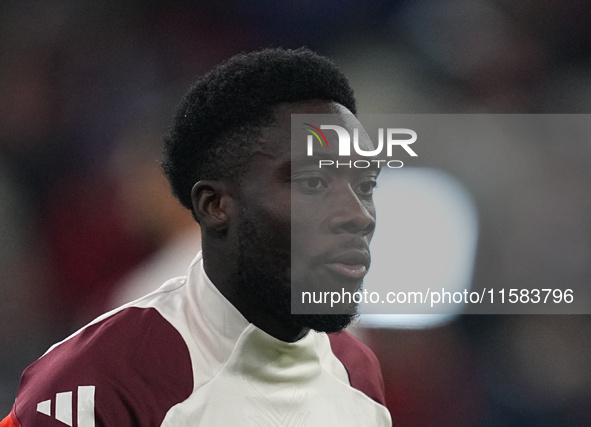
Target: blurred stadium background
87,89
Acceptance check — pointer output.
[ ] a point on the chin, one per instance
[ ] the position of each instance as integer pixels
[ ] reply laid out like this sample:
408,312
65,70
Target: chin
328,323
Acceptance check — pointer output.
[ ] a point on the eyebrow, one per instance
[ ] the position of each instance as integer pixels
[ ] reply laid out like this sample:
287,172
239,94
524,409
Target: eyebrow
314,158
310,160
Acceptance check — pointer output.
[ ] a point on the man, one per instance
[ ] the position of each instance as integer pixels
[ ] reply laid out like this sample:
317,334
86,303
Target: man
220,346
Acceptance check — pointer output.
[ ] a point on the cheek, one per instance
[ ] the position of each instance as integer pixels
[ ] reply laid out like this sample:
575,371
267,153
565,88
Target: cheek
308,216
306,231
273,222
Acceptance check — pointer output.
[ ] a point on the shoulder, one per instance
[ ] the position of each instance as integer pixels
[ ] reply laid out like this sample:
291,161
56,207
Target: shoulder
361,364
117,370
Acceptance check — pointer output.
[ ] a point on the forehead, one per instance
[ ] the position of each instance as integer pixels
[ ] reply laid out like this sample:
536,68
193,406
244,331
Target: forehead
277,138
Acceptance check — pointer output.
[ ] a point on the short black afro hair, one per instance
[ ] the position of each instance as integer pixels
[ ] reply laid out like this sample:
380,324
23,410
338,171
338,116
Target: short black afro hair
219,120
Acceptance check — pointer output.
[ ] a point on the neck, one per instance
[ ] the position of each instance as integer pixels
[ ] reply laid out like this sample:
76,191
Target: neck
224,277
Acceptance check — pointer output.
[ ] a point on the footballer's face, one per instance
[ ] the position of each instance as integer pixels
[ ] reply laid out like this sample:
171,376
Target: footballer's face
302,225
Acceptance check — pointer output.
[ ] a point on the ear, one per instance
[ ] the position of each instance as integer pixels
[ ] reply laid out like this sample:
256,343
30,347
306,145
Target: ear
213,204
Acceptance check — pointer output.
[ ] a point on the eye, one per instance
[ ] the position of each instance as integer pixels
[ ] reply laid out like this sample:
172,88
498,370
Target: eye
310,184
366,187
314,183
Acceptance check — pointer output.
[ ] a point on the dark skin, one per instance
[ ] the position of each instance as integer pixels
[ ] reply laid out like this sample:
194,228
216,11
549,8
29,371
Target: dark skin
327,243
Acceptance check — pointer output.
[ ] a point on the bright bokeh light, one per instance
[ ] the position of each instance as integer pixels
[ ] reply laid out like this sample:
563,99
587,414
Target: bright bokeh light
425,237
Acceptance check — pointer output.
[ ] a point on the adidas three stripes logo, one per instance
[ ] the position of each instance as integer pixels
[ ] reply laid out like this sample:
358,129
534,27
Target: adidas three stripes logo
63,409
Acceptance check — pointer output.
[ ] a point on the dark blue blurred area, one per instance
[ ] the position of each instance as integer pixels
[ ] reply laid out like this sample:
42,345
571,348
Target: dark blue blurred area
82,82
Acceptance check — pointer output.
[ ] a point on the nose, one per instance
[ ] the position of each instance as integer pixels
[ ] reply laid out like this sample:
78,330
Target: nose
352,215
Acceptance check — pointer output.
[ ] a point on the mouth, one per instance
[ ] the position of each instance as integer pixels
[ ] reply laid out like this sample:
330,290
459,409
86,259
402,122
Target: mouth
350,265
356,271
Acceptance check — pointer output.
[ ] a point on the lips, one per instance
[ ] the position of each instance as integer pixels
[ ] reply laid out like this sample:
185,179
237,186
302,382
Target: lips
350,265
